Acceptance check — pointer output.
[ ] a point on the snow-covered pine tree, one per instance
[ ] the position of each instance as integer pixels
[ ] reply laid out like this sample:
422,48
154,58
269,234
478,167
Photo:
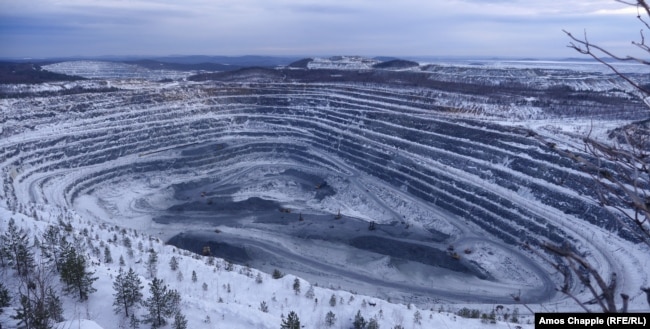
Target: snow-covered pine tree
75,275
179,321
30,313
161,304
359,321
330,318
53,305
5,298
417,317
333,300
134,322
310,293
152,264
16,248
264,307
372,324
291,322
173,263
126,242
128,291
52,246
108,258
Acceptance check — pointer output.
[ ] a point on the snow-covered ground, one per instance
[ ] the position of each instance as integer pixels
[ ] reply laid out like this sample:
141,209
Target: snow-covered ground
229,298
433,169
342,63
112,70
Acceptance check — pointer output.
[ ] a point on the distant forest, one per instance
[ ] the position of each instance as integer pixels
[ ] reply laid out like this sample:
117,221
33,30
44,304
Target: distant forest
30,73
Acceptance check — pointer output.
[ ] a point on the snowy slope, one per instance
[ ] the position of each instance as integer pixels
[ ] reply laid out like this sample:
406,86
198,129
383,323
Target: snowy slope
232,298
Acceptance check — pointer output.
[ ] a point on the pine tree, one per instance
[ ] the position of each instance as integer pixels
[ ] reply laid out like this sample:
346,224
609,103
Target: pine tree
52,246
54,306
75,275
296,286
152,264
291,322
179,321
16,249
333,300
330,318
264,307
24,258
5,298
194,278
128,291
417,317
359,321
26,314
134,322
310,293
126,242
173,263
121,261
258,278
4,255
161,304
107,255
155,304
373,324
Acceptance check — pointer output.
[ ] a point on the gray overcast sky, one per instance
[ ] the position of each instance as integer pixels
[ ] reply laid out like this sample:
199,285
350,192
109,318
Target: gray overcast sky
520,28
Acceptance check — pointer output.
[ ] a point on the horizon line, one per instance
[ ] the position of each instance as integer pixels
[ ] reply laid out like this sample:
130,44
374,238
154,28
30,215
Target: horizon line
153,57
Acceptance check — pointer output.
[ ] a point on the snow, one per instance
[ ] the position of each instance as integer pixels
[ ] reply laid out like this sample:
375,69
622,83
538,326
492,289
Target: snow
238,308
49,181
112,70
342,63
77,324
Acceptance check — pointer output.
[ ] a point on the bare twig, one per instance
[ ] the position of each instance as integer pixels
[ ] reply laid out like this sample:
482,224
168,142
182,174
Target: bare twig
586,50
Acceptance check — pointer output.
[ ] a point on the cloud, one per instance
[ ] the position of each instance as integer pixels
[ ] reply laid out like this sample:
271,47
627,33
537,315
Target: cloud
323,9
306,27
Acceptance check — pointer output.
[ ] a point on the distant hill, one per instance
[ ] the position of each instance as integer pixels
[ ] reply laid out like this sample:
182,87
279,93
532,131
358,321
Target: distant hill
384,58
302,63
241,61
30,73
158,65
396,64
249,74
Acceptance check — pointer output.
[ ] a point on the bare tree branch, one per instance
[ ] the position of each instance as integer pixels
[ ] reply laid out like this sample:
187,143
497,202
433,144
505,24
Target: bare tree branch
584,47
621,172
